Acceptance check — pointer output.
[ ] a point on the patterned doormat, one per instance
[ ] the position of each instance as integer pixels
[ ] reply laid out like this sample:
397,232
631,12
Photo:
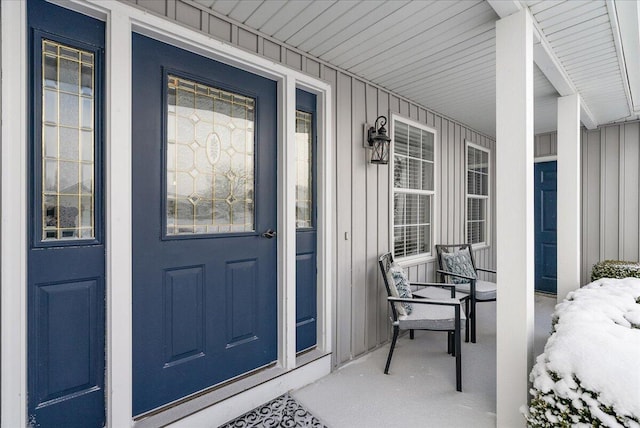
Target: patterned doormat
284,411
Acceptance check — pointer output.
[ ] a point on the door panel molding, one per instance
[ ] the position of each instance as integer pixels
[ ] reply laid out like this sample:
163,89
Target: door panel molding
184,306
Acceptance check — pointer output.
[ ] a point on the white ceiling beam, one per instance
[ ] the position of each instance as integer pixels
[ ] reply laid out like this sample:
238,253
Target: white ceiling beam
626,35
505,7
555,73
546,60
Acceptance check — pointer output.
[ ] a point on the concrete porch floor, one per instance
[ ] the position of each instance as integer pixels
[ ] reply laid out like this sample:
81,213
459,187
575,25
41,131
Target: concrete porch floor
420,388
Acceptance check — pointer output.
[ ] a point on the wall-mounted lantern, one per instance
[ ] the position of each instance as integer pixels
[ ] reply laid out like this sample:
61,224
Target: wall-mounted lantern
379,142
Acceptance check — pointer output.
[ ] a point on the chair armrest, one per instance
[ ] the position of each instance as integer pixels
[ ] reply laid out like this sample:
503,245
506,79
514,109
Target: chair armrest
431,284
436,291
434,284
487,270
426,301
457,275
440,285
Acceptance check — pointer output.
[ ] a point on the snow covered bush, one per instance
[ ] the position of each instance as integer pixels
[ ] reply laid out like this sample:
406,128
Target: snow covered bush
589,373
615,269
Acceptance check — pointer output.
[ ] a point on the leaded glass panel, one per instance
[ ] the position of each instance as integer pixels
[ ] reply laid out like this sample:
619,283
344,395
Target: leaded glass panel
68,137
210,159
304,177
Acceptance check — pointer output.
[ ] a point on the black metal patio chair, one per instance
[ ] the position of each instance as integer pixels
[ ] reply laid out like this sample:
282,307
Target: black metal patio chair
433,307
458,267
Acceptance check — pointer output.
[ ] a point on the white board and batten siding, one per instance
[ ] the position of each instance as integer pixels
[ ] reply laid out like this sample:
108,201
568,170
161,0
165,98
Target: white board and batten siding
545,145
362,194
610,192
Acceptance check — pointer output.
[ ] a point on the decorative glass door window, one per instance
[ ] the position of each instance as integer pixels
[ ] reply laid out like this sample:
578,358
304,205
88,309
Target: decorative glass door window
209,158
68,136
304,176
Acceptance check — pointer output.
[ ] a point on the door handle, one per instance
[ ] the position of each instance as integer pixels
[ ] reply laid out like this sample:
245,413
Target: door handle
269,234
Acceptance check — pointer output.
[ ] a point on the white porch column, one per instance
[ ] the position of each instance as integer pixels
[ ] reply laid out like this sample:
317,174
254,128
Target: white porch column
568,195
514,215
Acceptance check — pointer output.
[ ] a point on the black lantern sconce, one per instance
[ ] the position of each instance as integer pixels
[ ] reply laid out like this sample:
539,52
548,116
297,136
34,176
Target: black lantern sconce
379,142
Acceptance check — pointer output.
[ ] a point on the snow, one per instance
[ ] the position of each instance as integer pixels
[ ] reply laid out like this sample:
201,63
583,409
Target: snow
595,347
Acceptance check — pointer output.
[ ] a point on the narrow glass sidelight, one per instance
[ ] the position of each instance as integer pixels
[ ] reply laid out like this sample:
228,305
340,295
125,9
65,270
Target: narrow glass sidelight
68,140
304,176
209,159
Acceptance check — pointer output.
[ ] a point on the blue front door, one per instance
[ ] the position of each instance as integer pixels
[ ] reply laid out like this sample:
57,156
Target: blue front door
204,218
545,227
66,287
306,227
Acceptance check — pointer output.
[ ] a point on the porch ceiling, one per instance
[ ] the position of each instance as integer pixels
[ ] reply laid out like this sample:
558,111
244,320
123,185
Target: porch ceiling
441,54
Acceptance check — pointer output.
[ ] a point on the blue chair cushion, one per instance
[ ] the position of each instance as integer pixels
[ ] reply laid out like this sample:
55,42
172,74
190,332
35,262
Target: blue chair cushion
459,262
402,288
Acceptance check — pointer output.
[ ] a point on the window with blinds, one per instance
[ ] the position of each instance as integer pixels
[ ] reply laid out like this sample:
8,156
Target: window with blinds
413,189
477,194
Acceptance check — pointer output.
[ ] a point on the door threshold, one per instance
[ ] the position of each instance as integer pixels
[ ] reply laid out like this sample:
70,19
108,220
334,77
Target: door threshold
211,396
545,293
209,390
190,404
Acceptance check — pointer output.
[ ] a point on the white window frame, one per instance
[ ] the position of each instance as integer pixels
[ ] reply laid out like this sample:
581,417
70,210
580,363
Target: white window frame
422,257
487,197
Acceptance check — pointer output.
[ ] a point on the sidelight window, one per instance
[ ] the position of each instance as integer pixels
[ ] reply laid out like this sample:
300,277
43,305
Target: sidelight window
304,172
68,136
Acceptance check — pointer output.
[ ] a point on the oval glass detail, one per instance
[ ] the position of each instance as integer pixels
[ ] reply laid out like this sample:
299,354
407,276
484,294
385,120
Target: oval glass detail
213,148
210,159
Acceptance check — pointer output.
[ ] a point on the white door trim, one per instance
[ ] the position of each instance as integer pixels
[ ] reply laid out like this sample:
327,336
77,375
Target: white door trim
13,223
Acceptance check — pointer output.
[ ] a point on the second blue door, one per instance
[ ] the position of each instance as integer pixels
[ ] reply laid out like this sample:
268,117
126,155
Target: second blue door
545,227
204,218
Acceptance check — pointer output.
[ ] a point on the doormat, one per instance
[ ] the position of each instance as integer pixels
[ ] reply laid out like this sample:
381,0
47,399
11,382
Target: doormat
284,411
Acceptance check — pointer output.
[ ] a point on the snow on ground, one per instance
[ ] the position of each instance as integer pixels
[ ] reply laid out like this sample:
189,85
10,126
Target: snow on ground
596,342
